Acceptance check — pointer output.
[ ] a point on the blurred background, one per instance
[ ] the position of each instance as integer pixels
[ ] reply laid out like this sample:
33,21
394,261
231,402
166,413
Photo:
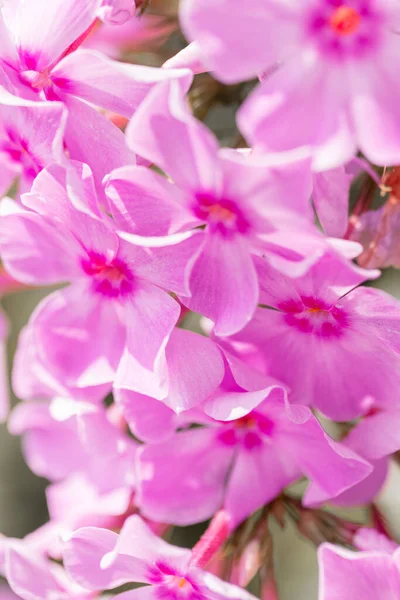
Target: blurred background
151,40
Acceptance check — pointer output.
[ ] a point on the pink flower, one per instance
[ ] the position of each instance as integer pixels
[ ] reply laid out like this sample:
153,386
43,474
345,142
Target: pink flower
45,64
243,464
348,575
99,559
331,62
115,319
326,340
246,206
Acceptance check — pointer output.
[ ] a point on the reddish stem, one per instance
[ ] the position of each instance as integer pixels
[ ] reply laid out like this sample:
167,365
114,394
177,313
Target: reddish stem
212,540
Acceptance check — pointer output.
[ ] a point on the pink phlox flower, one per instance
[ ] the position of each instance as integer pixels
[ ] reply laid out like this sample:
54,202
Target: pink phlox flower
99,559
46,64
246,206
187,478
327,339
113,322
330,64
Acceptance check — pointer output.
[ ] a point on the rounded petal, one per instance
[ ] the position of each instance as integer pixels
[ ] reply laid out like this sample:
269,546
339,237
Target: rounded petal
223,288
348,575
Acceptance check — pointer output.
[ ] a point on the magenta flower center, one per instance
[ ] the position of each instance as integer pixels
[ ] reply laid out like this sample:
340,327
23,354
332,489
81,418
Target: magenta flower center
349,29
111,278
172,585
314,316
250,431
220,214
345,20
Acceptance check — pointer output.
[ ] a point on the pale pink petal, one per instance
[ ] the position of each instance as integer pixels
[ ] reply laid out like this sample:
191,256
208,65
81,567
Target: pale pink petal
331,191
144,593
166,262
368,539
367,490
238,44
190,57
298,106
195,369
222,288
35,251
90,134
347,575
164,116
86,74
61,23
257,477
79,335
30,579
146,203
116,12
182,481
150,420
83,556
379,141
149,320
138,540
50,448
221,590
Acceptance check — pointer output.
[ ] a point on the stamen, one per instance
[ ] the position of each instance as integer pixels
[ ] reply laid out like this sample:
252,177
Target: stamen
345,20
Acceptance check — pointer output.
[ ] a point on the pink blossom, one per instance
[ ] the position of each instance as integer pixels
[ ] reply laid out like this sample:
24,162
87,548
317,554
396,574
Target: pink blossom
367,575
332,62
249,206
46,64
242,465
320,322
118,306
99,559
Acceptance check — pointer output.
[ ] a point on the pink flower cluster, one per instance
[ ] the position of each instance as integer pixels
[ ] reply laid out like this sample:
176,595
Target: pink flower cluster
140,420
